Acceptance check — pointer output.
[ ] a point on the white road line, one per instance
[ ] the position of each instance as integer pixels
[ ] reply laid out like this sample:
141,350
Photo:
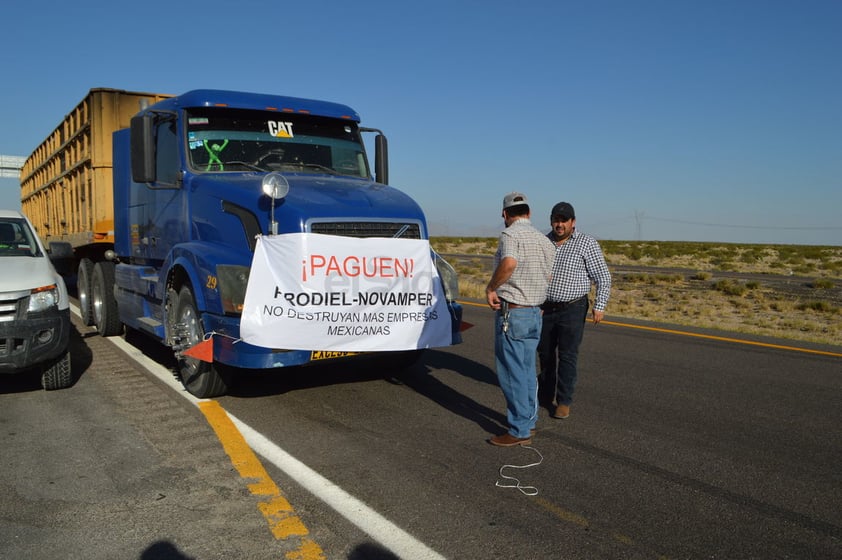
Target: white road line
355,511
382,530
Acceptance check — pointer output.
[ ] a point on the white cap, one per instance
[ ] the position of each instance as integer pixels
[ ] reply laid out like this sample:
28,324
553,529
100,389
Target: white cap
514,199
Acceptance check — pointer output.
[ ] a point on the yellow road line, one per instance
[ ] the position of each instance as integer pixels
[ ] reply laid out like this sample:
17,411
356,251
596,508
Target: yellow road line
579,521
725,339
697,335
279,513
475,304
563,514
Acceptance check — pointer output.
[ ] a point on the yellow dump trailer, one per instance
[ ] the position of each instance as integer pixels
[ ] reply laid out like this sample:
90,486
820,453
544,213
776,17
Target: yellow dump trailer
66,188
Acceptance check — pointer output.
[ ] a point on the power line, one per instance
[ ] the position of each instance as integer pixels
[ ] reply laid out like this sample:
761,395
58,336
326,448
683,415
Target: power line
743,226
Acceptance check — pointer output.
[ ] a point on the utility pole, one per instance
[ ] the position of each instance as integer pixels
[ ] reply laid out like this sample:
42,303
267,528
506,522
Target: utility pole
10,166
638,220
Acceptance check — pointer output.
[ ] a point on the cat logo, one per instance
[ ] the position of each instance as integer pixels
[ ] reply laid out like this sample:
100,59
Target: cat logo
280,129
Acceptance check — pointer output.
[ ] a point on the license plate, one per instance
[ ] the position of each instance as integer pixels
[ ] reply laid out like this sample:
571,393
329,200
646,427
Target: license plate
330,355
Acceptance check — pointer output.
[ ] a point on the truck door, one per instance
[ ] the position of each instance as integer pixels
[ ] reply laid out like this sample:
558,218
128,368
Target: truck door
157,208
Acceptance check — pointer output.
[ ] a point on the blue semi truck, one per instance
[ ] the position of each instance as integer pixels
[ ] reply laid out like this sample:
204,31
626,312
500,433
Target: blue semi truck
191,183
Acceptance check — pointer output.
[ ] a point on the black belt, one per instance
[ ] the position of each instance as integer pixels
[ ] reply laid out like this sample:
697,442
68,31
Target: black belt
517,305
560,305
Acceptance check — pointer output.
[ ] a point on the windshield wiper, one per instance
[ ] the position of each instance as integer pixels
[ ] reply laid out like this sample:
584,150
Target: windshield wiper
246,164
319,167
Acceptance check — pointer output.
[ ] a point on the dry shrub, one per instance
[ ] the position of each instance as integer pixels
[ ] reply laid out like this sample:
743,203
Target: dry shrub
822,284
820,306
730,287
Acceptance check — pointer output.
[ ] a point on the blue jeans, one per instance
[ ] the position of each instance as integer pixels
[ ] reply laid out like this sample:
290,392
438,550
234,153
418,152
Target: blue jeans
514,351
561,335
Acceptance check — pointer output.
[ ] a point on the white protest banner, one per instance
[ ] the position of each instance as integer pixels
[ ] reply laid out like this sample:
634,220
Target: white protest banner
309,291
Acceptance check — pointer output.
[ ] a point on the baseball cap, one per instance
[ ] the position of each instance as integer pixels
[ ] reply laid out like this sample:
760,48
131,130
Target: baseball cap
514,199
563,210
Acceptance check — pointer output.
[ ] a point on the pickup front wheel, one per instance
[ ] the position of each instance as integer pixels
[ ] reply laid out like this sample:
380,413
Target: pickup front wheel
58,374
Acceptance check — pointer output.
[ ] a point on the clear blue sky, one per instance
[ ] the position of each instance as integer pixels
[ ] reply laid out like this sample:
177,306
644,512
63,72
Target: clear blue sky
708,120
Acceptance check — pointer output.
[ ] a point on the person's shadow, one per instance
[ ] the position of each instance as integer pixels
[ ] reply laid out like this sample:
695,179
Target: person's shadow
163,550
371,551
418,379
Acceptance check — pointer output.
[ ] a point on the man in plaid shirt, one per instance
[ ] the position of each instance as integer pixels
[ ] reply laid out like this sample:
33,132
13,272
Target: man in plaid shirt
579,263
516,290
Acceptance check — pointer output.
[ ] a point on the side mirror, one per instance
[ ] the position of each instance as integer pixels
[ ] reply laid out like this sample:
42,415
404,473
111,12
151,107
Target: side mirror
61,255
381,160
143,148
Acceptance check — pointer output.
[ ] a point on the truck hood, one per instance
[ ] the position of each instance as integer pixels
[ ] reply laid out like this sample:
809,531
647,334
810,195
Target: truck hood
314,197
26,273
348,195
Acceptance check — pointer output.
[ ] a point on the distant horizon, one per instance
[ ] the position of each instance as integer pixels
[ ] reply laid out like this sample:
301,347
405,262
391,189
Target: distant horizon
623,240
10,199
440,229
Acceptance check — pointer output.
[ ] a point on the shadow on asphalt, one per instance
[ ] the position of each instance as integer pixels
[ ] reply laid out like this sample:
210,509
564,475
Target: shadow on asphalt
20,382
28,380
164,550
258,383
371,551
360,369
490,420
416,377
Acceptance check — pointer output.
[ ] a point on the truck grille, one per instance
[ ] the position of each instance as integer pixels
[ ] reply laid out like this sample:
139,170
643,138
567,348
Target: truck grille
368,229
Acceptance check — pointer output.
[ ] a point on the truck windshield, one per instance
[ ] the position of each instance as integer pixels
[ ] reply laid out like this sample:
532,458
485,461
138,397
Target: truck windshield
16,239
221,139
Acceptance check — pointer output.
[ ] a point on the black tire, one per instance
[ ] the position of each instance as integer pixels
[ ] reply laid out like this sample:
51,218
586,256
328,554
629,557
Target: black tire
57,375
201,379
103,305
84,278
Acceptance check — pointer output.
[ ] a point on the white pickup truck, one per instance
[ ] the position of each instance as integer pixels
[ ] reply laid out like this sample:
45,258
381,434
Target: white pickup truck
34,306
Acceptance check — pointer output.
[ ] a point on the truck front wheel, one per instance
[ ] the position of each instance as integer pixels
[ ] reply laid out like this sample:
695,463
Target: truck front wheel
201,379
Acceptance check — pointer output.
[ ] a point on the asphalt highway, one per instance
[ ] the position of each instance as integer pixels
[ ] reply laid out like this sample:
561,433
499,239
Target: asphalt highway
680,445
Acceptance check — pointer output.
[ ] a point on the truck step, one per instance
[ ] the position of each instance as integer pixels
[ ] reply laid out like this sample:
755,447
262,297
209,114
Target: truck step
149,321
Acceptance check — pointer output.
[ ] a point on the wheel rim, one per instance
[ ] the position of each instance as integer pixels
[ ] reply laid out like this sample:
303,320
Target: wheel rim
82,290
193,334
96,301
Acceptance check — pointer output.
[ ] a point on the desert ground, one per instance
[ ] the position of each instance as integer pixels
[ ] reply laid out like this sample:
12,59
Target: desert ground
783,291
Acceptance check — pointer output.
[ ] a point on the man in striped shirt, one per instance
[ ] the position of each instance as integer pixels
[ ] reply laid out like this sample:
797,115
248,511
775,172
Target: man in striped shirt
579,263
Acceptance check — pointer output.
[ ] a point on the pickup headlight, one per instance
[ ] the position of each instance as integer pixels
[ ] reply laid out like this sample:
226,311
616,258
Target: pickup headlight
449,279
233,281
43,298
